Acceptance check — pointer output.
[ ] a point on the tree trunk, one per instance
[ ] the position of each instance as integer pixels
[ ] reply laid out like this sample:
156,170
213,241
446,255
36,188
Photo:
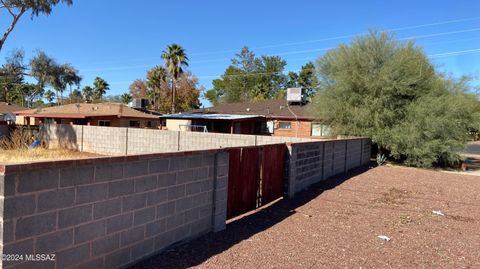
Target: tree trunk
173,96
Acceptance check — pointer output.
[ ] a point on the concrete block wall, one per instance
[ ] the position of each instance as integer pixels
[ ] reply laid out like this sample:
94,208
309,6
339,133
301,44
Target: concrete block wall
197,141
128,141
104,140
62,136
110,212
312,162
151,141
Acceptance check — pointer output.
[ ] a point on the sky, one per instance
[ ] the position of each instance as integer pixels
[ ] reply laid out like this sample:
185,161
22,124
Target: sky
120,40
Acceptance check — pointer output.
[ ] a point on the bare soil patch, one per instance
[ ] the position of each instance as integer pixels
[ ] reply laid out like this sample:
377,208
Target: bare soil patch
336,225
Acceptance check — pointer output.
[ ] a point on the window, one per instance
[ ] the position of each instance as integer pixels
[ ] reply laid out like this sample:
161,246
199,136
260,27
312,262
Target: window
134,123
319,129
103,123
149,124
285,125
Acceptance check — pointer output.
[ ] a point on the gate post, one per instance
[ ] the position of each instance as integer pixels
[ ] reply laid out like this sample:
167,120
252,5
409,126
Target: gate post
220,191
290,163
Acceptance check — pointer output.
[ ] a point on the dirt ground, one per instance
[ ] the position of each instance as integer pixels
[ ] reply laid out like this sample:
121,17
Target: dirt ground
336,225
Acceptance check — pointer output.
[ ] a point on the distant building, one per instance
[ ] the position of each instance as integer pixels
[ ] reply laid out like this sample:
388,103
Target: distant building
7,112
101,114
269,117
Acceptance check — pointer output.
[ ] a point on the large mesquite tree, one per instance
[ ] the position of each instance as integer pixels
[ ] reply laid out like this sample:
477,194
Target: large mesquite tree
389,91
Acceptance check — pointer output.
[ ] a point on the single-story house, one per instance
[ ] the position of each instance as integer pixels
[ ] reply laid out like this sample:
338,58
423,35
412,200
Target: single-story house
269,117
99,114
216,123
7,112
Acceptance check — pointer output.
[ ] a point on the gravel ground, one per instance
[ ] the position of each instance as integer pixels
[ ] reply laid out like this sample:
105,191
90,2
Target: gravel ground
337,224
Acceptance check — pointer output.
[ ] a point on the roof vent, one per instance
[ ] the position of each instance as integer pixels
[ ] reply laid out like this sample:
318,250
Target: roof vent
248,109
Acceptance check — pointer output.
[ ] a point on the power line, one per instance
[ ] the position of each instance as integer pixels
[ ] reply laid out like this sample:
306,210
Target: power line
345,36
331,38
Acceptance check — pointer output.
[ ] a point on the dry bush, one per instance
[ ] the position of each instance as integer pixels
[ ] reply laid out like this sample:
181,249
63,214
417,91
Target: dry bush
19,139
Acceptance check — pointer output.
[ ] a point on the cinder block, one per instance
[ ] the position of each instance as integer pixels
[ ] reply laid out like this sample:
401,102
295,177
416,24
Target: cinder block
136,169
74,176
155,228
108,172
222,170
74,216
185,176
98,263
195,161
106,244
107,208
165,210
56,199
167,180
38,180
192,215
176,192
118,223
143,216
118,258
9,185
19,247
89,231
19,206
178,164
133,202
220,222
175,221
35,225
143,249
52,242
72,256
182,232
91,193
156,197
131,236
145,183
183,204
194,187
222,158
159,166
119,188
164,240
7,233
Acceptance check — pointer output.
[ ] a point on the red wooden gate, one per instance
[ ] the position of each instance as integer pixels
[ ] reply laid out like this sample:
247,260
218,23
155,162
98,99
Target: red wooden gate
255,177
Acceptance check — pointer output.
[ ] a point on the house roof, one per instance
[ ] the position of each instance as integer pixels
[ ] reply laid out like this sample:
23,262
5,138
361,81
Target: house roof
84,110
276,109
9,108
207,116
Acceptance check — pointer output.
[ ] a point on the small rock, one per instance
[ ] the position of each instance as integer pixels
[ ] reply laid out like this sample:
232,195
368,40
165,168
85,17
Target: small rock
384,237
438,213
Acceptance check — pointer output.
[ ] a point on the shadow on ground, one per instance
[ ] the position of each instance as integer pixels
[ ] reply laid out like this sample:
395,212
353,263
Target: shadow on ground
201,249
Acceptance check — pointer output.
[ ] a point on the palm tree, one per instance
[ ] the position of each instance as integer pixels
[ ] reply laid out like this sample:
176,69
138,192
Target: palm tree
100,87
175,58
70,76
155,78
87,93
49,95
126,98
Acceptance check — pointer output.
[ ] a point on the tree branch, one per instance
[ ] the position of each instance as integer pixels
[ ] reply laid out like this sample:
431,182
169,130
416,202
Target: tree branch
12,25
9,9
